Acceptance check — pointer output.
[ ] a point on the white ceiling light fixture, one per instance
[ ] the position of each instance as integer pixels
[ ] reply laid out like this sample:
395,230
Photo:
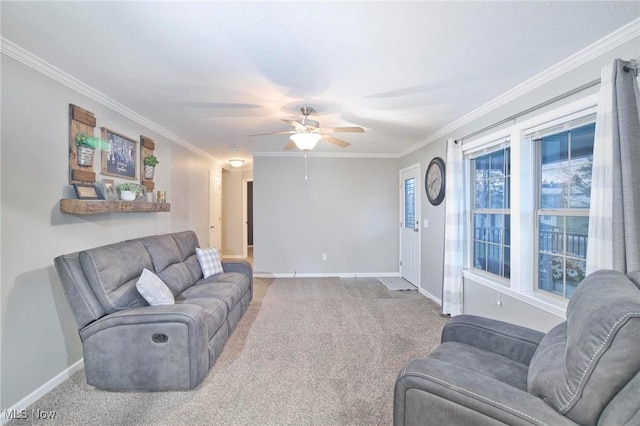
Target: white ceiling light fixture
236,162
305,141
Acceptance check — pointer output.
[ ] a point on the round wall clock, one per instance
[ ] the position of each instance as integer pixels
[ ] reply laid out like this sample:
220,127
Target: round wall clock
434,181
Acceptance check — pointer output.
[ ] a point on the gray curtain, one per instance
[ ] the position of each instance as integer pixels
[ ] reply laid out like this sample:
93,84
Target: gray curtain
614,215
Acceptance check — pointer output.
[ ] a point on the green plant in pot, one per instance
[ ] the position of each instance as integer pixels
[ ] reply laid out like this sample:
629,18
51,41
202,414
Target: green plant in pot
86,146
128,191
150,163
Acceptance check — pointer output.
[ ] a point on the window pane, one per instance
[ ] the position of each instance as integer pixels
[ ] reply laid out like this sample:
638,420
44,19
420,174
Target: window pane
479,227
507,230
551,234
496,193
494,260
495,228
409,203
482,194
482,167
507,262
551,273
555,148
480,256
575,273
577,235
582,141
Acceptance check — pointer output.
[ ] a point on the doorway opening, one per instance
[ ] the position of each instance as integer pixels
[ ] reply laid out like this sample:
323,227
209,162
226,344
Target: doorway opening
247,219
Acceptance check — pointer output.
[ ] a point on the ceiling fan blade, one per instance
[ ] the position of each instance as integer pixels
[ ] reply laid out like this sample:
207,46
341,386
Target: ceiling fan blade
299,127
288,132
290,145
336,141
354,129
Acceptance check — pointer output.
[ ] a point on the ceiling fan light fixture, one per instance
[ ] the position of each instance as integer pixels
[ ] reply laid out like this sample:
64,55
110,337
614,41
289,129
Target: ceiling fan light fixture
236,162
305,141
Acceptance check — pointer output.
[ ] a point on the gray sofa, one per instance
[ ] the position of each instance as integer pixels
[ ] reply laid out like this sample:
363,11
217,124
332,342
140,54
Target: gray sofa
129,345
584,371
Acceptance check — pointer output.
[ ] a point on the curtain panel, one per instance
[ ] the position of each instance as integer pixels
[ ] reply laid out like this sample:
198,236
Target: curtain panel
614,214
452,297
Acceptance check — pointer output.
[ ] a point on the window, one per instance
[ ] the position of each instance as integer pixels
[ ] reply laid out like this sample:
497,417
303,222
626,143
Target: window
410,203
490,212
528,197
564,167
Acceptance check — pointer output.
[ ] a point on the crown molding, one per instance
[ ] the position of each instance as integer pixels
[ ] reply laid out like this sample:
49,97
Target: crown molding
622,35
27,58
316,154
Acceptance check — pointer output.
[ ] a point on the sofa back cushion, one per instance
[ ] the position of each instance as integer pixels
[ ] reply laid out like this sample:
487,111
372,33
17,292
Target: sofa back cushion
578,370
112,272
171,258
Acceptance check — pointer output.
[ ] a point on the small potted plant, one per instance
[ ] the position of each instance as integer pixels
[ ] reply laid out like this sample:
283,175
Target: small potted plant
128,191
86,146
150,163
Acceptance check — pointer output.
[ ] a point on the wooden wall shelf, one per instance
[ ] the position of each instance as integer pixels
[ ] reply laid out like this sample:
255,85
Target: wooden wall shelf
75,206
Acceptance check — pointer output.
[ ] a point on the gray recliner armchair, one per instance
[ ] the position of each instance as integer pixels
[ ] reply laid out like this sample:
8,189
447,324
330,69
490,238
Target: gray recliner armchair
583,371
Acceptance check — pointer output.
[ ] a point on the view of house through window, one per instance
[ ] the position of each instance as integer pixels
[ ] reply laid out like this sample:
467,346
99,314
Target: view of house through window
490,212
544,164
564,185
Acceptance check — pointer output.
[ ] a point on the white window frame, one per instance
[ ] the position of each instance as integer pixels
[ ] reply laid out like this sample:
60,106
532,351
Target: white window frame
523,282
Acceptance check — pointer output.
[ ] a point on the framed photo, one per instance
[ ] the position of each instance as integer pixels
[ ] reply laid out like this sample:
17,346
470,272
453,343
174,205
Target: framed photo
87,192
120,155
109,190
142,194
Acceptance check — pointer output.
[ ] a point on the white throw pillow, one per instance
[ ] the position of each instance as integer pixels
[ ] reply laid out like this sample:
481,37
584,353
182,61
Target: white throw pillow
209,261
153,289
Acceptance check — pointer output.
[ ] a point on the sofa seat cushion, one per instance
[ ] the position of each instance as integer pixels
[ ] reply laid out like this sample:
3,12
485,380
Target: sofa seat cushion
228,286
215,311
483,362
580,367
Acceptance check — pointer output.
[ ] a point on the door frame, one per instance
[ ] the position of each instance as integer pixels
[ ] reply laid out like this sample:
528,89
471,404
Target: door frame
245,219
418,202
212,206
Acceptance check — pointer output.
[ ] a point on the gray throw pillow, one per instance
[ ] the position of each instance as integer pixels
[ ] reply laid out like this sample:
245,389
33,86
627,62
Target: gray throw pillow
153,289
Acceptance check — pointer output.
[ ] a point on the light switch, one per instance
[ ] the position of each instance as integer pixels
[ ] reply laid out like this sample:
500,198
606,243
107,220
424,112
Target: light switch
426,223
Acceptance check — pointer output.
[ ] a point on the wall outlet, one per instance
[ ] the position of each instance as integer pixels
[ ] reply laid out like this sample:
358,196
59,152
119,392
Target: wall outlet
324,256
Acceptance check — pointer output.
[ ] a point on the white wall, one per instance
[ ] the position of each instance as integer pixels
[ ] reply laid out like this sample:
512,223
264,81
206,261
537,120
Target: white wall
39,337
348,209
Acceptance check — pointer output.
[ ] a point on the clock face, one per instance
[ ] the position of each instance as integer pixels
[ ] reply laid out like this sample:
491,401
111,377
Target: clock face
434,181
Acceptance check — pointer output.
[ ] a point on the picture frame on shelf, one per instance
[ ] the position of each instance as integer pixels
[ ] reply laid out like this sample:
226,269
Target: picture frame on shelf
87,192
109,190
142,194
119,156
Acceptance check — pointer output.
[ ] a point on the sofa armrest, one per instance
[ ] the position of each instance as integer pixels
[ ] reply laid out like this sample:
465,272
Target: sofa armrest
509,340
241,266
147,348
433,392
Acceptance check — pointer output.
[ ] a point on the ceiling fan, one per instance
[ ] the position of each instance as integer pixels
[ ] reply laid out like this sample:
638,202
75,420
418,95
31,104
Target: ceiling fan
306,132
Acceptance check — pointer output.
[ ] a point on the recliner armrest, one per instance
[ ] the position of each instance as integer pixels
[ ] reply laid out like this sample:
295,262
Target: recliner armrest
147,348
509,340
431,391
241,266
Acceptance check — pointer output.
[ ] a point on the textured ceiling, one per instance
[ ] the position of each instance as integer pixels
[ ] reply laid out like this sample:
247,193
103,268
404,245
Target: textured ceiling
214,72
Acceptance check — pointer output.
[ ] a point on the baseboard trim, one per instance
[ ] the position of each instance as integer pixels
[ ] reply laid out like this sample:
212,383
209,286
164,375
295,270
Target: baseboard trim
41,391
329,275
428,295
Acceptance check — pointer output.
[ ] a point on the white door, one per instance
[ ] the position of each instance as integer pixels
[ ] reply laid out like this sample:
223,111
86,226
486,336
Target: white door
410,224
215,210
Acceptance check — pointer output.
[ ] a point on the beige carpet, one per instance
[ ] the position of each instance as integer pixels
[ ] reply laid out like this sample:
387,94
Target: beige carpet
308,351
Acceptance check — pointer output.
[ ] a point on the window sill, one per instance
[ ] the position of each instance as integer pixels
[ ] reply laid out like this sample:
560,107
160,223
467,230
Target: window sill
537,299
